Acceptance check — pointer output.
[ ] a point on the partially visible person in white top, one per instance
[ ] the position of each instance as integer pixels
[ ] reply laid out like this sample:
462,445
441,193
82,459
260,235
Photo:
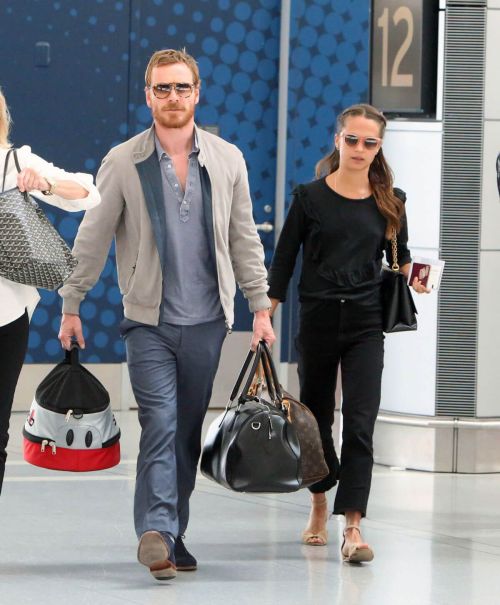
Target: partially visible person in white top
67,190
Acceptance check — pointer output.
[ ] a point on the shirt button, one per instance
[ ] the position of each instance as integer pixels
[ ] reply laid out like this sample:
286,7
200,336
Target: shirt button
176,185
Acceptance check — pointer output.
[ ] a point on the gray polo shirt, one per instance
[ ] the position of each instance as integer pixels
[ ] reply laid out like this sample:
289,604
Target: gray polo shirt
190,286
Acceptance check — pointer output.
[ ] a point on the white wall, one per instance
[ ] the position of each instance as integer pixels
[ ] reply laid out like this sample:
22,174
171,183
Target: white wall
488,391
492,83
413,149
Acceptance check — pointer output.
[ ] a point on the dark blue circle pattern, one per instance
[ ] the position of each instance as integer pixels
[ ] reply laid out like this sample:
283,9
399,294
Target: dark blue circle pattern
328,71
236,44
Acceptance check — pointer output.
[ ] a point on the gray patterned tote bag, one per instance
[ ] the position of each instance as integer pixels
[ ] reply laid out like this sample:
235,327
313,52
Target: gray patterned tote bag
31,250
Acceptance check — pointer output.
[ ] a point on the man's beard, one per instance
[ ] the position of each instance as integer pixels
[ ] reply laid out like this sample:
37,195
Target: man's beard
173,119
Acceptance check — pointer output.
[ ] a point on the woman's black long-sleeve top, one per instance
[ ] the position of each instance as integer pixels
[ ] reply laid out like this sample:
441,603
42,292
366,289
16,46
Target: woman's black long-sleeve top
343,243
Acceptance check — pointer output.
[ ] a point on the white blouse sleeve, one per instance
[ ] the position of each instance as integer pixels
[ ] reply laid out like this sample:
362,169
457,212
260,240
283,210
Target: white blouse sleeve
27,159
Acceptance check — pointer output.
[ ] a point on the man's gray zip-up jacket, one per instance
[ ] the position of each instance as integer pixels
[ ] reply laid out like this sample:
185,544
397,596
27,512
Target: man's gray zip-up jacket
132,210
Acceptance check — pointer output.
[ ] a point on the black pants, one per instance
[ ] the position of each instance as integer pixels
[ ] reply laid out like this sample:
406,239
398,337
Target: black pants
349,334
13,345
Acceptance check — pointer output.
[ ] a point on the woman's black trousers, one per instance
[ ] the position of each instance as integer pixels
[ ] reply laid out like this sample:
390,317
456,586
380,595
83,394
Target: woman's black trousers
349,334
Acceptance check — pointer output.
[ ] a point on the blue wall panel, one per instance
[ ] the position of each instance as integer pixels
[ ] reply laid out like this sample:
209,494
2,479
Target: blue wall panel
71,112
91,97
329,61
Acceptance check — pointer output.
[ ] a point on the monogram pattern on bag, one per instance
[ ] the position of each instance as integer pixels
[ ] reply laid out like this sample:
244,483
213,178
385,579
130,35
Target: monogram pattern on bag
31,251
312,460
313,465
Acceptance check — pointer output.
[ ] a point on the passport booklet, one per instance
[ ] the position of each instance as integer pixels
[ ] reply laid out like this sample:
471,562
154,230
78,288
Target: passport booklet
428,270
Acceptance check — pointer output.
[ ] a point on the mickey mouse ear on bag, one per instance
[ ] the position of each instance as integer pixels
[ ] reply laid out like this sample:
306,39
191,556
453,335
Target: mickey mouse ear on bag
70,425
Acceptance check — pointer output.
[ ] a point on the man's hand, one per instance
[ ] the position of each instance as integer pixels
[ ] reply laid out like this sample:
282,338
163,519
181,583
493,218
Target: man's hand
262,329
71,325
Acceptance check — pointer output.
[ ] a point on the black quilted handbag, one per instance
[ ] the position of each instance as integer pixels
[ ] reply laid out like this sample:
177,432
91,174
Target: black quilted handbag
31,250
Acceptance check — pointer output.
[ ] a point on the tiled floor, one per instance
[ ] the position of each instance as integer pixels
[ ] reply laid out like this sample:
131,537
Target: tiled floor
68,538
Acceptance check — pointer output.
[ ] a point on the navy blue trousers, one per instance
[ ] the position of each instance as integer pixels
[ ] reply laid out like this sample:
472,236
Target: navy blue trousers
349,334
172,369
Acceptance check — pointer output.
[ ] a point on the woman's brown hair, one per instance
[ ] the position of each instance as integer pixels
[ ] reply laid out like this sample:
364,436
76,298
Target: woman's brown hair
380,174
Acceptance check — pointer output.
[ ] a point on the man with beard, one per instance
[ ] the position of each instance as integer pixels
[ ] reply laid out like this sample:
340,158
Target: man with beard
177,201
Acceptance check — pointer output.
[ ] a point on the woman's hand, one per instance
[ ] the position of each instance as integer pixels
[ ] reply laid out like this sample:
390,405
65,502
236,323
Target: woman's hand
419,287
416,284
274,303
29,180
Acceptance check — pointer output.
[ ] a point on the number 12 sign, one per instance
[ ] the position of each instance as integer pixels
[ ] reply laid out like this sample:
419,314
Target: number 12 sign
404,39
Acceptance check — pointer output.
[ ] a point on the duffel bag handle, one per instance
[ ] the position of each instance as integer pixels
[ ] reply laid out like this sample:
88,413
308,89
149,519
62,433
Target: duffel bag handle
255,355
251,355
260,358
72,354
270,371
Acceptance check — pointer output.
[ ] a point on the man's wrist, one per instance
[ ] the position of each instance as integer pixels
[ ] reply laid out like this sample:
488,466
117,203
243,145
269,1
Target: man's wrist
262,312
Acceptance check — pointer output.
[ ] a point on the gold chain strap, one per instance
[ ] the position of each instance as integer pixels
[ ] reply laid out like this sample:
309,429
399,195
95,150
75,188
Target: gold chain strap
395,266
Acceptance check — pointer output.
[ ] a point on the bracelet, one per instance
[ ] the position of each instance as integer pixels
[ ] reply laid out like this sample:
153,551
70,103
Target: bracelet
52,186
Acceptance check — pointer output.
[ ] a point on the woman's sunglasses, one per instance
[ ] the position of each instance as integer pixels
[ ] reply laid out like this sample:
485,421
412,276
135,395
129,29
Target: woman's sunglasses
368,142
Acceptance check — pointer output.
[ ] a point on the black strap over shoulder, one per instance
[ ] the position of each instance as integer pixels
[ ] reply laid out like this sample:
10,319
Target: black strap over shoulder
16,160
12,151
5,166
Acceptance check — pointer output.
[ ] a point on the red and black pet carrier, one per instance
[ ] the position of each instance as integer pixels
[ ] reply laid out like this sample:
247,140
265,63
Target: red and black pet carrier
70,426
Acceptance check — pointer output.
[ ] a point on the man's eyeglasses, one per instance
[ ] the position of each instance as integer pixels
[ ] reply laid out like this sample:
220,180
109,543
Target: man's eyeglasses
182,89
368,142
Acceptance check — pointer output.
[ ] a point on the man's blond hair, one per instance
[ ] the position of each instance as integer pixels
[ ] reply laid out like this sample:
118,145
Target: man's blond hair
170,56
5,122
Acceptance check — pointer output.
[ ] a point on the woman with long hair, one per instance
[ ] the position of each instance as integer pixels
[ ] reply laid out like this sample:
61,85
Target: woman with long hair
344,221
70,191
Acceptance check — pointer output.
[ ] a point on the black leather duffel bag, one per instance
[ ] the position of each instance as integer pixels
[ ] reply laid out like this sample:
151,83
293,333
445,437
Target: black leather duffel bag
268,441
251,446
